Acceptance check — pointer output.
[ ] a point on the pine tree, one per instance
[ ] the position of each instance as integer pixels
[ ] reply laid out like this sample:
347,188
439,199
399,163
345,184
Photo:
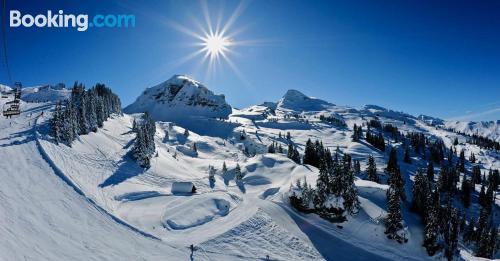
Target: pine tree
56,124
271,149
472,158
322,185
392,163
431,232
494,179
211,174
371,170
100,112
357,167
82,119
92,111
224,168
450,156
466,190
482,196
430,172
421,190
144,146
336,176
485,247
394,172
293,153
237,173
476,174
407,158
451,238
488,199
310,154
462,161
493,244
393,222
482,224
468,234
350,193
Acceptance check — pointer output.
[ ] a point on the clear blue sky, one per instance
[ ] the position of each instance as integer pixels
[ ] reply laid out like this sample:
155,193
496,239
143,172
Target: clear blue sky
439,58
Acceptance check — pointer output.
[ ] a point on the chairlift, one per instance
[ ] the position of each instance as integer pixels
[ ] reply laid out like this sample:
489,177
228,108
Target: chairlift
12,108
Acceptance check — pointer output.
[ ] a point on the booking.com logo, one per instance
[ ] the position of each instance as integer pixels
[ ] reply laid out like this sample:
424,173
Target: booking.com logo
62,20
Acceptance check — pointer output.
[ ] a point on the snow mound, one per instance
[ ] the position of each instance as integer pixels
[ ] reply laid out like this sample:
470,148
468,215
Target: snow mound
46,93
178,98
197,211
294,100
266,237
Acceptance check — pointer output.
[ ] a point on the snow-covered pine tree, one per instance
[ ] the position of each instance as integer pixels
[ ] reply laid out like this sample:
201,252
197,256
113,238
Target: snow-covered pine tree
310,156
452,233
431,232
421,191
237,173
393,222
371,170
350,193
211,173
139,151
356,167
321,185
394,173
56,124
336,176
83,126
144,146
92,111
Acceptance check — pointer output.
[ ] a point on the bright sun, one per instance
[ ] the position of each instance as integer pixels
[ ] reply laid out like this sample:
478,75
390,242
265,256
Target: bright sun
215,45
215,42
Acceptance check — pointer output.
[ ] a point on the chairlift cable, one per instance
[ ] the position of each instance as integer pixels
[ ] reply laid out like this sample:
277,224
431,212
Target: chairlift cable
4,18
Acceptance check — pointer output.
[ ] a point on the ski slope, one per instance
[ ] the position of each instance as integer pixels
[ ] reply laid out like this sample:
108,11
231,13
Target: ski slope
92,201
42,218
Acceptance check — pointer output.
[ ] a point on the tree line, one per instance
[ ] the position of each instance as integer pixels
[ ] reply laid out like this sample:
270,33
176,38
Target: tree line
84,112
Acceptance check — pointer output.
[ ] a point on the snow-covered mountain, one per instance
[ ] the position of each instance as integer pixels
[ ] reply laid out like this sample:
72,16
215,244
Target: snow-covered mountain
103,205
45,93
295,101
178,98
490,129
